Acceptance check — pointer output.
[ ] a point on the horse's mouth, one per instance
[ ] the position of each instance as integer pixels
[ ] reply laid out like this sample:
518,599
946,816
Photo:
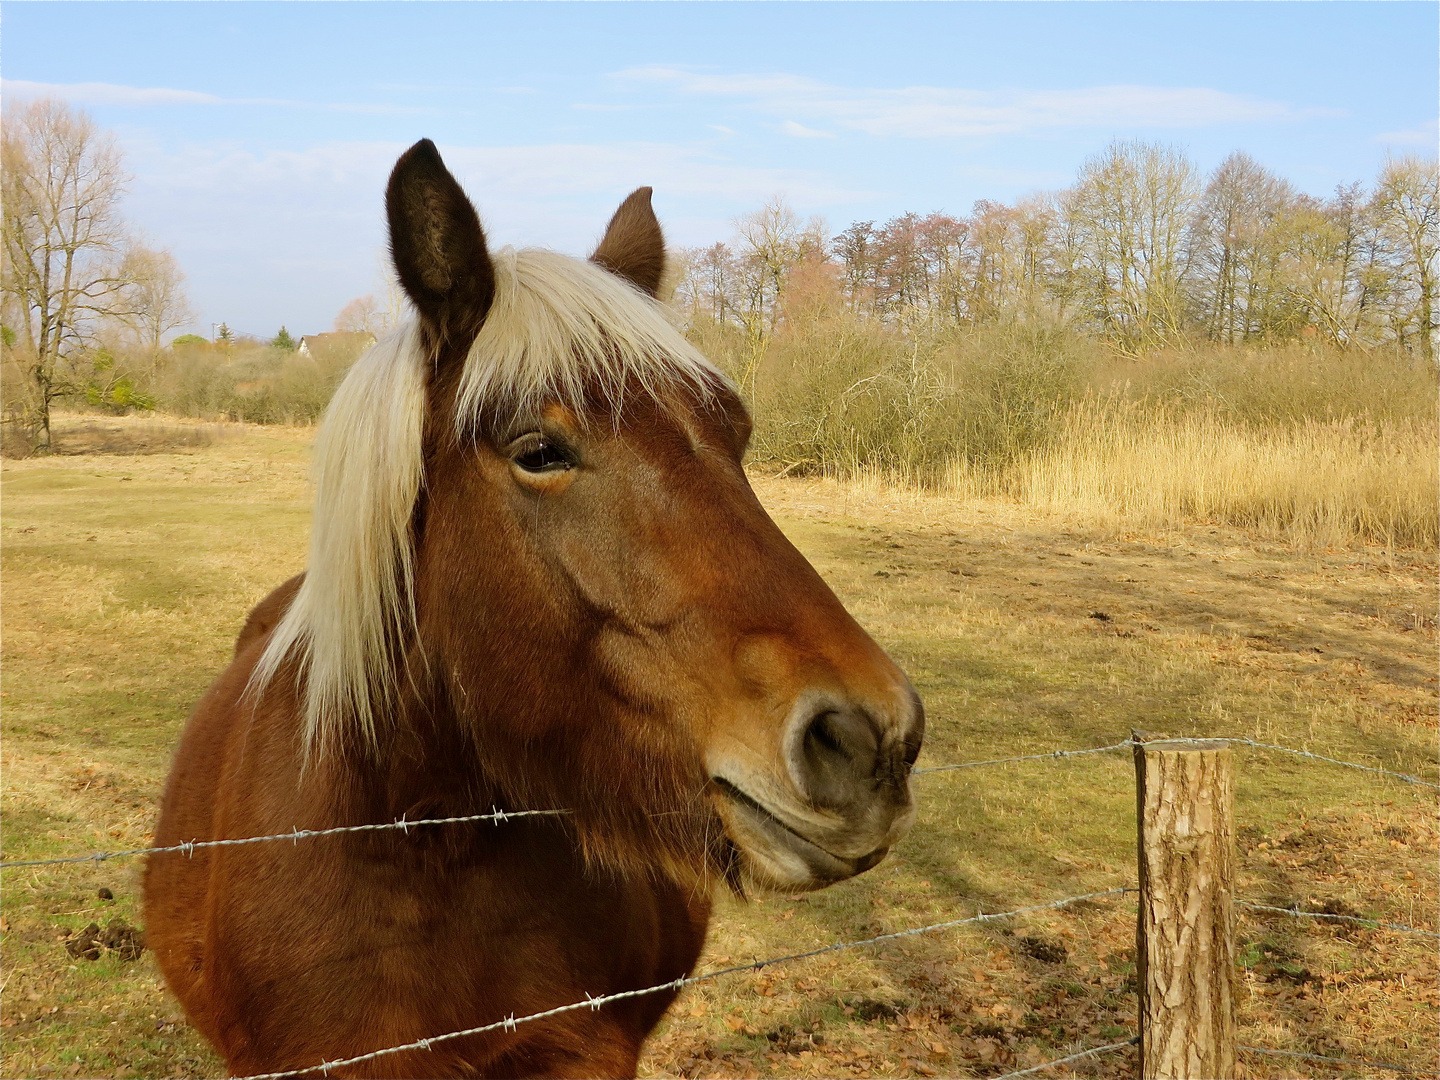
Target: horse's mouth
782,845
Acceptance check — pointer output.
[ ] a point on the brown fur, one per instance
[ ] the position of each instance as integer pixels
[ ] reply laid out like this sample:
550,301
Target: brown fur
631,639
634,246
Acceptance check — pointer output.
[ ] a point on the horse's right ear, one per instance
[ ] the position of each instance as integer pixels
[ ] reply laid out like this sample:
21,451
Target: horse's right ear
437,244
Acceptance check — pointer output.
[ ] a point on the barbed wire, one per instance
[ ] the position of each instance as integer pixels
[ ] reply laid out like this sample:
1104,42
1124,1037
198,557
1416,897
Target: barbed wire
1373,924
296,835
1053,755
1057,755
594,1003
1319,1057
499,816
1336,761
1073,1057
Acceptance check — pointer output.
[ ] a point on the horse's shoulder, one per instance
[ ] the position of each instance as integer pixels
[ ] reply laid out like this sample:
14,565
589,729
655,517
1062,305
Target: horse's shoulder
264,615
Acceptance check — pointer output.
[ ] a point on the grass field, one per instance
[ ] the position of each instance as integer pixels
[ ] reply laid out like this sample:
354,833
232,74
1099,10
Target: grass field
129,567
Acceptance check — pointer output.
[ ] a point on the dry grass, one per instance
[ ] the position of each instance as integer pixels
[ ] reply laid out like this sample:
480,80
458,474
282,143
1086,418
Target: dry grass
1316,483
125,579
1307,444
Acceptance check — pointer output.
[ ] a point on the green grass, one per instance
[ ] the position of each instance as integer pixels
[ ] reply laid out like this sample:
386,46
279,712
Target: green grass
108,642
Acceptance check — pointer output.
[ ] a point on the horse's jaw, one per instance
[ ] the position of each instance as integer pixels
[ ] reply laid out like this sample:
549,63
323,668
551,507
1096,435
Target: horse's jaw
787,847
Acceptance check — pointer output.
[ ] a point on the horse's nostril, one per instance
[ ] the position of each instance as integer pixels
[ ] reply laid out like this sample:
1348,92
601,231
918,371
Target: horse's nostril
916,735
838,755
823,735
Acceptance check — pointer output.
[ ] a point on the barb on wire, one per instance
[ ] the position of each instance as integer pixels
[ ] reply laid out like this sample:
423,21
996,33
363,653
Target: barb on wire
1057,755
188,847
1373,924
510,1023
1073,1057
1319,1057
1336,761
1053,755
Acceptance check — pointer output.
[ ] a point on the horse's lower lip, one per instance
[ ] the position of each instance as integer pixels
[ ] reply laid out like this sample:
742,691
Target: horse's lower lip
852,866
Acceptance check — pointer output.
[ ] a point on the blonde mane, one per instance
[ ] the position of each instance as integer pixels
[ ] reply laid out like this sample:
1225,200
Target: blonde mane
557,328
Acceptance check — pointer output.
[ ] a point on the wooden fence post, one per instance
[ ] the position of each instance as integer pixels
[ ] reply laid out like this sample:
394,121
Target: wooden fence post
1185,935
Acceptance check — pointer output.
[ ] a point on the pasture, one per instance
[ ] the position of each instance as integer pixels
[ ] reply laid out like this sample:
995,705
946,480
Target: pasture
129,565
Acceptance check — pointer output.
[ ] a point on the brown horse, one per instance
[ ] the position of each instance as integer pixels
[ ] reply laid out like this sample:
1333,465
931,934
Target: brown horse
538,579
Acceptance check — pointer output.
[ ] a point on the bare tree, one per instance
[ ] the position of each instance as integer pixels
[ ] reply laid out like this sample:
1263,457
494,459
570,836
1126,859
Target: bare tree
1034,224
1406,206
769,243
64,246
856,250
992,262
154,300
364,314
1131,210
1239,207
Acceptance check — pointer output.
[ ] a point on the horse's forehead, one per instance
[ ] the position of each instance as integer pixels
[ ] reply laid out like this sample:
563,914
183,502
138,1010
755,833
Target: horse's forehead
556,412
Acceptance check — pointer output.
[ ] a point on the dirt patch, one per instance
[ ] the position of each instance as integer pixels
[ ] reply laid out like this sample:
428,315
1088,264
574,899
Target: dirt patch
1047,952
76,434
125,941
868,1010
109,437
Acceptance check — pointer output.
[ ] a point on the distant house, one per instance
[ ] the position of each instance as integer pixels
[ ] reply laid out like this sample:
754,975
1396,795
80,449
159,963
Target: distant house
347,342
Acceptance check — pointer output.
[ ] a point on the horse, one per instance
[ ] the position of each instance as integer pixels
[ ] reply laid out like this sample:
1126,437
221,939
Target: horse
538,578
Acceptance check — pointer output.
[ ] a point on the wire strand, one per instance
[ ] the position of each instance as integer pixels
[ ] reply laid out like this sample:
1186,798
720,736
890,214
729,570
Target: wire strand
296,835
1320,1057
1373,924
1053,755
1057,755
1073,1057
501,815
1336,761
594,1003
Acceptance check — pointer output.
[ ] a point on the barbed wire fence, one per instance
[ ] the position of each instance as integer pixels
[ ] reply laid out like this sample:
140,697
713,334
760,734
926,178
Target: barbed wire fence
500,817
189,847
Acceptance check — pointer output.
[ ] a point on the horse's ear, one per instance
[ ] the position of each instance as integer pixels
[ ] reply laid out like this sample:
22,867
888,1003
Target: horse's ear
437,244
634,246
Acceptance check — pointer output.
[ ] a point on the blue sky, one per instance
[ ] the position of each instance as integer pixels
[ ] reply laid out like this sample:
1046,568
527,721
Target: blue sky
260,134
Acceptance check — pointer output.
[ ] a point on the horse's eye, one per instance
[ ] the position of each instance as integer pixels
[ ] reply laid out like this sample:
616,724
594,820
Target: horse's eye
538,455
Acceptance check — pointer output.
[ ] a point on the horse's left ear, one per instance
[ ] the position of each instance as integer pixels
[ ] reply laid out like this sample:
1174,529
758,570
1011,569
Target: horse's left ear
437,244
634,246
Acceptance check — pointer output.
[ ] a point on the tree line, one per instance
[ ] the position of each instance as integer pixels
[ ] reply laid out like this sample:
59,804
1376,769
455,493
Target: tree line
1139,254
1142,251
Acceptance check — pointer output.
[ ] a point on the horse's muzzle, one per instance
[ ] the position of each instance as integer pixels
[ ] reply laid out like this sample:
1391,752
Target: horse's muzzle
842,801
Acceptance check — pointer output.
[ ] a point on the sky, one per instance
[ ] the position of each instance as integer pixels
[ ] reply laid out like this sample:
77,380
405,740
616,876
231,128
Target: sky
259,135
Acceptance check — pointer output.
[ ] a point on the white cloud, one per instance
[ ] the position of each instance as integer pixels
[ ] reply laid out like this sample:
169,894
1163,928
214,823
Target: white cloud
560,169
328,174
145,96
108,93
931,112
1426,135
289,236
800,131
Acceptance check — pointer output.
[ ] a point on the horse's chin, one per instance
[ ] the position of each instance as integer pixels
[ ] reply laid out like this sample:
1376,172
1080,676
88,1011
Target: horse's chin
774,857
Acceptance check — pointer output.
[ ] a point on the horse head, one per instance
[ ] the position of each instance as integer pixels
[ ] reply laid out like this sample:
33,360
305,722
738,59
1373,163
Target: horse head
533,527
